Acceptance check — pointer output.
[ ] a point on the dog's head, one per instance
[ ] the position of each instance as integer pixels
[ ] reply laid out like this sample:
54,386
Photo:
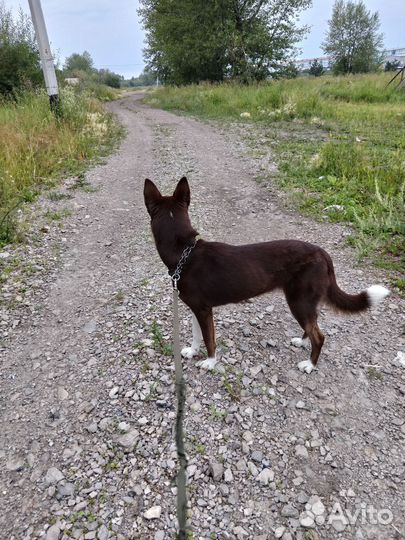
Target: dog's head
169,214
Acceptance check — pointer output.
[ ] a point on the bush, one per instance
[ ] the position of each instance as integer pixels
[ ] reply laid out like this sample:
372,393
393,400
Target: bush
19,57
316,69
392,66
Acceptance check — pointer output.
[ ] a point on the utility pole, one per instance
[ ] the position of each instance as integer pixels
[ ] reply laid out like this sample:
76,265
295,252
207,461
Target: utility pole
45,53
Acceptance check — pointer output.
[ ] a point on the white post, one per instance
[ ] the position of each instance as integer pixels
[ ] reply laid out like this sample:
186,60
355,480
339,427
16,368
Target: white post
48,67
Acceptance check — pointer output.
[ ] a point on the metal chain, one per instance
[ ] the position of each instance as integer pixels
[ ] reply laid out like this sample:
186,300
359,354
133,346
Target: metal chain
183,259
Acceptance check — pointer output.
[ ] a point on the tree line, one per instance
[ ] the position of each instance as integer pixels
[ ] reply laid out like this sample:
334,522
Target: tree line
252,40
188,41
20,66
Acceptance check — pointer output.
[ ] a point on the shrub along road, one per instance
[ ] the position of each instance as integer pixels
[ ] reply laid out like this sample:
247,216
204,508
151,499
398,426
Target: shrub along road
87,393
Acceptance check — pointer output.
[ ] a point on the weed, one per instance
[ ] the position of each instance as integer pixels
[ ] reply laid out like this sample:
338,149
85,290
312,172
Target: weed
76,516
217,414
399,283
197,446
58,214
200,449
57,196
112,466
233,385
145,367
82,183
222,345
153,392
373,373
120,296
159,342
310,535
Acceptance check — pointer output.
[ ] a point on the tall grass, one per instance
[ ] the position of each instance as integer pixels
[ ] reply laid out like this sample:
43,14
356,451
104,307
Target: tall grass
310,96
36,147
337,141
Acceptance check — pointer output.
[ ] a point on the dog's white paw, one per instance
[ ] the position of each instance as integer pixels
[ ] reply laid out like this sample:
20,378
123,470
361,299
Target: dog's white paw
189,352
298,342
306,366
209,363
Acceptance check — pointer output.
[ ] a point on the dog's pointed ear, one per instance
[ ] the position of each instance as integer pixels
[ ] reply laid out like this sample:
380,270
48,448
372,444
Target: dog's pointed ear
182,192
151,195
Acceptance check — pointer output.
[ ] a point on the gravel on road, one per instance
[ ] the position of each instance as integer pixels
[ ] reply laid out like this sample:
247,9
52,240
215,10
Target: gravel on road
87,378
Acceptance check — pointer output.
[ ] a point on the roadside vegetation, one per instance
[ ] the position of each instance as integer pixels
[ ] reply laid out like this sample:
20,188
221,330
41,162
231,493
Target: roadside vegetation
338,143
37,148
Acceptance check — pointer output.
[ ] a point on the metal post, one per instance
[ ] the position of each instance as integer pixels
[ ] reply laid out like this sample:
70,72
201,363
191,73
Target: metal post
48,67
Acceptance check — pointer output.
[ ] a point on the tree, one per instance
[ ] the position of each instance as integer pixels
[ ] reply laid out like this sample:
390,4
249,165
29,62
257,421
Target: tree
316,68
79,62
288,71
19,56
105,76
353,39
190,40
146,78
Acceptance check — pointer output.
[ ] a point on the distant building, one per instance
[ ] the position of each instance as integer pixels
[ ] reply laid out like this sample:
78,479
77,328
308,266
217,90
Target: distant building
390,55
305,63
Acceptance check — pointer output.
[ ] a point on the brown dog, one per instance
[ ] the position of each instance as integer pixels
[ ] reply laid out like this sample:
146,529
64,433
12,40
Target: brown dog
212,274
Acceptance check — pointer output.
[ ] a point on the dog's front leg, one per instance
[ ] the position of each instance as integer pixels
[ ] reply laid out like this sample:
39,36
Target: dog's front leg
206,322
189,352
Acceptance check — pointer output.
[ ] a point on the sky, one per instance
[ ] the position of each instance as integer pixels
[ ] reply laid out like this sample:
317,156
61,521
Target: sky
110,30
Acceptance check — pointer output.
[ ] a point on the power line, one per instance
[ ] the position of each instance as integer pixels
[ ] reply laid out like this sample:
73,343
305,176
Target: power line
118,65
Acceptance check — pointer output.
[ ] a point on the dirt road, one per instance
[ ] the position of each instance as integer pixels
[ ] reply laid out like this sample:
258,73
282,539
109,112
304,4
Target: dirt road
87,394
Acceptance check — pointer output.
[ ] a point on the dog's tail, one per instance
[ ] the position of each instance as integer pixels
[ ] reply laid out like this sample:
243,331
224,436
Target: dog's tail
352,303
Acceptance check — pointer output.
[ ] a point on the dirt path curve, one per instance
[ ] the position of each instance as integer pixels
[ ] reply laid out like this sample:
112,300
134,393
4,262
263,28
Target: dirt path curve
87,391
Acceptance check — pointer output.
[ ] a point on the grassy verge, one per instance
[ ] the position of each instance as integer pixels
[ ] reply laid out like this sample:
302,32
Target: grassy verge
36,148
338,143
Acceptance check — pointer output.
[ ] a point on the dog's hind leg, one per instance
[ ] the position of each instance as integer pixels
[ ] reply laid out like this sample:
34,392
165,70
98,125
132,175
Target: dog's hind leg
304,309
189,352
206,321
317,338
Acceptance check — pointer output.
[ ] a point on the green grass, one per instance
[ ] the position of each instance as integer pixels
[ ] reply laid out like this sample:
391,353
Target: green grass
336,141
36,148
58,215
159,342
374,373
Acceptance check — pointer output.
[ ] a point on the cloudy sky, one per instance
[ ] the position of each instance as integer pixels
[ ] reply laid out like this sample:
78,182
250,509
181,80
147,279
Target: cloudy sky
111,31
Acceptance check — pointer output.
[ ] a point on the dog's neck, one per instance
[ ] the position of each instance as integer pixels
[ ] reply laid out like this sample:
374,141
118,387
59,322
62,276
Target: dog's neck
171,249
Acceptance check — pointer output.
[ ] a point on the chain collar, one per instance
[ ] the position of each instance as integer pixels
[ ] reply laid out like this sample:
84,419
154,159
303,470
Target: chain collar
183,259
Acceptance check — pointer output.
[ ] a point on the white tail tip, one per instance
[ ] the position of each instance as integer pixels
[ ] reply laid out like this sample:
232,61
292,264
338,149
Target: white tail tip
376,293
